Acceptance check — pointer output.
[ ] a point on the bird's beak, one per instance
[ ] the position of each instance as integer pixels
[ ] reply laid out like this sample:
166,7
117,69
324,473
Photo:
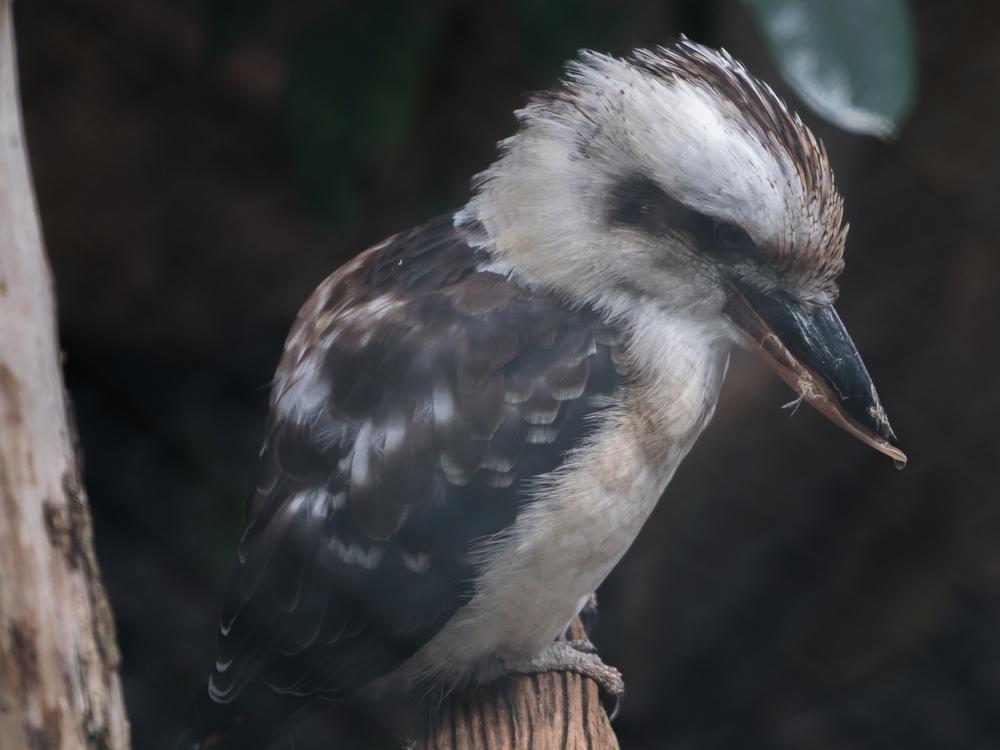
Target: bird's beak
811,350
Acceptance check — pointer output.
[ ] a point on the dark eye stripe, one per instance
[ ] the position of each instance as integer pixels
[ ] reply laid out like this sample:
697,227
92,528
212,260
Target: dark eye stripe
639,202
729,239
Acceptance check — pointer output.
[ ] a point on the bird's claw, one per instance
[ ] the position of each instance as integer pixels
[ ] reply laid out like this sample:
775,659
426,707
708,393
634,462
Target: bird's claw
583,645
613,703
580,657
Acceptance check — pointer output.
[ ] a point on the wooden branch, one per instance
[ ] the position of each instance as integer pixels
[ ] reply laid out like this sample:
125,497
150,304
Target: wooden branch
59,686
552,711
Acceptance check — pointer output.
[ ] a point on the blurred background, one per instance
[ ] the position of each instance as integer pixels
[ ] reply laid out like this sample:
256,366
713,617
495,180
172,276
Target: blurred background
202,164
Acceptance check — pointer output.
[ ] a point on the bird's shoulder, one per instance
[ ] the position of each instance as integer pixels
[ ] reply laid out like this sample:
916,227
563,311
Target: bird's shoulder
418,396
418,345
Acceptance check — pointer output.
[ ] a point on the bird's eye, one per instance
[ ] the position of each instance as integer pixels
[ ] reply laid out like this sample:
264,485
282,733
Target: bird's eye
730,238
631,211
636,201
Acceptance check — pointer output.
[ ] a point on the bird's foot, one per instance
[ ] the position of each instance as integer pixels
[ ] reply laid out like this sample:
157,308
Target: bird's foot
584,646
581,658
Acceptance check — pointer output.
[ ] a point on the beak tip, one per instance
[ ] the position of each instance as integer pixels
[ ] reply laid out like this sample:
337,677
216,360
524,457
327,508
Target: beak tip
889,445
887,441
898,457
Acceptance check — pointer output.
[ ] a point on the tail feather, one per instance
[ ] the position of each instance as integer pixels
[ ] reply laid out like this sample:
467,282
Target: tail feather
253,722
207,724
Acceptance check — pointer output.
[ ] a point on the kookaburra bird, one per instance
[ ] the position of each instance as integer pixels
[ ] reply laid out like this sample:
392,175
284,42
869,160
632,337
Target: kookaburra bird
472,420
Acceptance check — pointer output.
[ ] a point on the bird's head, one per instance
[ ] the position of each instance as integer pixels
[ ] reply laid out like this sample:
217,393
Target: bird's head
674,178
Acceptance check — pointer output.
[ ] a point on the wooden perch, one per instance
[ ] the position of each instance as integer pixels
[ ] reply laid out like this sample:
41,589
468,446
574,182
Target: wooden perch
59,686
553,711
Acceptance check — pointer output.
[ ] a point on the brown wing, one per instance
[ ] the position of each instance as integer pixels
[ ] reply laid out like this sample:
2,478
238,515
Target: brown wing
416,397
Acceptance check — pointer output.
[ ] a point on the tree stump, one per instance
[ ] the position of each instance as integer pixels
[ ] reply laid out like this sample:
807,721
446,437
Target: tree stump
553,711
59,686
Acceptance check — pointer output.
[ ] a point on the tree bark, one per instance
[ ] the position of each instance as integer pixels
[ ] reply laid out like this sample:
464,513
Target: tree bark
553,711
59,685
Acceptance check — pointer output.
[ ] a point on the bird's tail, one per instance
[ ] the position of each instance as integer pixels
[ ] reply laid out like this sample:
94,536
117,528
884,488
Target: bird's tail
208,725
254,722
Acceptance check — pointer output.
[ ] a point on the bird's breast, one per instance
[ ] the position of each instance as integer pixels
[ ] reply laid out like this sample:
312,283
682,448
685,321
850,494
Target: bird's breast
581,519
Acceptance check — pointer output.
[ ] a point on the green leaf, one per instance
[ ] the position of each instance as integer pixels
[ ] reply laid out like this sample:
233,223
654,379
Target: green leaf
851,61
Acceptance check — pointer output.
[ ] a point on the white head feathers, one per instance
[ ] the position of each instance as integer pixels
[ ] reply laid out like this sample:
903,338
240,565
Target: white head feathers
695,123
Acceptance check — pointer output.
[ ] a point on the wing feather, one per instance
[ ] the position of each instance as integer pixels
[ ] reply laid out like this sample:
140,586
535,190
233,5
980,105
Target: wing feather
417,397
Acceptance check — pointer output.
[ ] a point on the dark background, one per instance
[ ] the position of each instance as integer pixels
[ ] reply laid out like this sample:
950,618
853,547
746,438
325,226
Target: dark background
200,167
